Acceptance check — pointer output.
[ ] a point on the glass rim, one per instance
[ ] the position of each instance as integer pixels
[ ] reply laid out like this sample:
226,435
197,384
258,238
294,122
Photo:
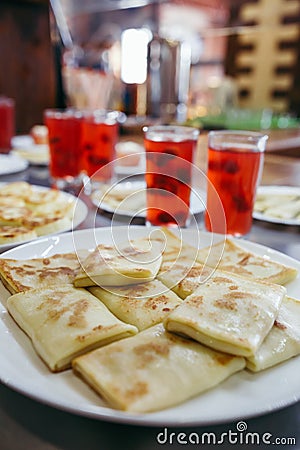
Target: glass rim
245,133
171,129
82,113
241,140
62,112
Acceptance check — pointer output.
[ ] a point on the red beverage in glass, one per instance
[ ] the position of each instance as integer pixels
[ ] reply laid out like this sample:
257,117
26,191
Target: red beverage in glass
234,172
7,123
99,138
66,155
169,157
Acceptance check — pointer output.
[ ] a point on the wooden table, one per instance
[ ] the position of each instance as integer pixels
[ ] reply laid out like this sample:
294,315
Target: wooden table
29,425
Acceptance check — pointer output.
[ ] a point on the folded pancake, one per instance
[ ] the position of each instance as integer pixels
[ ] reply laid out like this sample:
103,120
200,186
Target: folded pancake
48,224
61,208
284,206
283,341
64,322
14,215
175,249
228,313
9,234
24,274
142,305
154,370
36,197
46,211
19,189
135,262
7,201
236,259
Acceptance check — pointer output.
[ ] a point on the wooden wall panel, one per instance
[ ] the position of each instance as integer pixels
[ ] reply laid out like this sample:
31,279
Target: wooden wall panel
265,60
27,71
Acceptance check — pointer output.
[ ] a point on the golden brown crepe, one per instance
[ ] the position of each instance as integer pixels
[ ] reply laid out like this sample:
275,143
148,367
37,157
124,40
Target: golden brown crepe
10,234
283,341
236,259
183,277
24,274
64,322
154,370
129,263
142,305
228,313
228,256
40,211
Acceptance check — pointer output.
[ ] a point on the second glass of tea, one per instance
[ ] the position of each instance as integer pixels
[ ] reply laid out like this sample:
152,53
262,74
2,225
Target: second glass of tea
234,168
100,130
169,161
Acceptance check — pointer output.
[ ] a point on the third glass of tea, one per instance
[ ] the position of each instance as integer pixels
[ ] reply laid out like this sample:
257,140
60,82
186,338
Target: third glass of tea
235,163
100,130
169,160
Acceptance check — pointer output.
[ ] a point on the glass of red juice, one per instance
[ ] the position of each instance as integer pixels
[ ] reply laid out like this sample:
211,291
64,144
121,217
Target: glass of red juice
67,164
169,161
100,130
7,123
234,168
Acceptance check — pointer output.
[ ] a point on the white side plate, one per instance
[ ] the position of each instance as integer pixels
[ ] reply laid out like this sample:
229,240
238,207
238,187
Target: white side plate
282,205
12,164
80,214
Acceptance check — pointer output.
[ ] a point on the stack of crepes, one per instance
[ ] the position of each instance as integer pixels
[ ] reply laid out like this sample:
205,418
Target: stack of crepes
149,325
28,212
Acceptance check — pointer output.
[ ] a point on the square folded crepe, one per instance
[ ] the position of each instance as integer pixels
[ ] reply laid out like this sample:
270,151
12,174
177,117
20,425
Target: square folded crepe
235,259
136,261
142,305
154,370
64,322
283,341
174,248
25,274
11,234
228,256
228,313
183,277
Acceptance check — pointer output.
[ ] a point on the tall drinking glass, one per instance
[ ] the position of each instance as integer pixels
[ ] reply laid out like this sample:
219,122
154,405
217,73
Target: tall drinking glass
99,137
235,163
66,156
169,160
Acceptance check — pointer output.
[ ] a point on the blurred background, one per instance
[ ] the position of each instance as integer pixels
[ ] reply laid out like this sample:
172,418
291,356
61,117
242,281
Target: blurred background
209,63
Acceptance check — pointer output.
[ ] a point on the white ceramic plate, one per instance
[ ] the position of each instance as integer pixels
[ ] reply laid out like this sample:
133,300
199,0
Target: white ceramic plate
21,141
283,205
241,396
133,194
81,211
130,170
37,155
125,151
11,164
25,147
